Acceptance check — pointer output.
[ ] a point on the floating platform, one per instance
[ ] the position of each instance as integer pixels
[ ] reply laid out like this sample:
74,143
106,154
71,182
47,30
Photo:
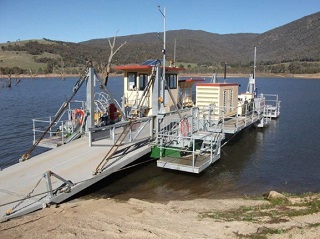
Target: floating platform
203,151
238,123
186,164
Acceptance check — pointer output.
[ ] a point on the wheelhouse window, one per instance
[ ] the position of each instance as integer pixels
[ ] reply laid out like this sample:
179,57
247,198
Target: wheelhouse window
171,80
143,81
132,80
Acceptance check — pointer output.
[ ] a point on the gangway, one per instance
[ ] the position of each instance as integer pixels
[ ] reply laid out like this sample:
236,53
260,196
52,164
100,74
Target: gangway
62,172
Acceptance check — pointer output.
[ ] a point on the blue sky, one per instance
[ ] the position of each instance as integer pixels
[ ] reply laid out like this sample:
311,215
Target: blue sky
80,20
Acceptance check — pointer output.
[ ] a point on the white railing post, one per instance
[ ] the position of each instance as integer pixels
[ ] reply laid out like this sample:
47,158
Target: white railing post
62,133
50,121
34,130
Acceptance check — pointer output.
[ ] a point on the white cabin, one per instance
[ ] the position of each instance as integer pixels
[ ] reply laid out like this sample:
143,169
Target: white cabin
136,78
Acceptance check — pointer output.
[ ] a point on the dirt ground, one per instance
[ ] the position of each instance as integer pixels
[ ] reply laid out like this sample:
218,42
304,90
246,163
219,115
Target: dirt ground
200,218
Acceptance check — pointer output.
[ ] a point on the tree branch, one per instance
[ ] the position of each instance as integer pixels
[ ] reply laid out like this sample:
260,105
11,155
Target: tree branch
112,53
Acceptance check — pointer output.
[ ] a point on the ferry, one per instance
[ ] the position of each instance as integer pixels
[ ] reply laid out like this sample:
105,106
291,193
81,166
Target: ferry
158,117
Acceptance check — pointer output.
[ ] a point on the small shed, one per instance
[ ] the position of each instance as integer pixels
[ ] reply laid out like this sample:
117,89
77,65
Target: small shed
222,96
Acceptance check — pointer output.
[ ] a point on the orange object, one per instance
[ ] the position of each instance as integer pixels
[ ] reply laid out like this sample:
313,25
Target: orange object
76,114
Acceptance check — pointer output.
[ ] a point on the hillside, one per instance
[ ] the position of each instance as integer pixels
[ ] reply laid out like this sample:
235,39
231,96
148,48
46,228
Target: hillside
298,40
192,46
296,43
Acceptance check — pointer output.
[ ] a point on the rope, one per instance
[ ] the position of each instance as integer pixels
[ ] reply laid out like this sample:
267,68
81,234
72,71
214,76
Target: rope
125,131
229,139
12,210
45,192
77,86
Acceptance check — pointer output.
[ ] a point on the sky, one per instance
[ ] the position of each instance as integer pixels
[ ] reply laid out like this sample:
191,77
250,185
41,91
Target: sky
81,20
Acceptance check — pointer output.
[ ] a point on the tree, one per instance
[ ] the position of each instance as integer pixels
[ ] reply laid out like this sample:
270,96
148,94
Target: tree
112,53
295,68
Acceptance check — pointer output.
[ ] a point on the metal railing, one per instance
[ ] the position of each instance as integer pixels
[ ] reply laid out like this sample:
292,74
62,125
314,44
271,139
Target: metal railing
272,105
61,128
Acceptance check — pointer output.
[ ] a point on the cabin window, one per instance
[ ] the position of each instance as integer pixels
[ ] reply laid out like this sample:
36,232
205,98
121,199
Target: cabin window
132,80
224,98
143,81
171,81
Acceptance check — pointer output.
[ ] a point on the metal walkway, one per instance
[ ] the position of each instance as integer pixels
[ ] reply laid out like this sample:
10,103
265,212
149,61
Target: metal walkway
60,173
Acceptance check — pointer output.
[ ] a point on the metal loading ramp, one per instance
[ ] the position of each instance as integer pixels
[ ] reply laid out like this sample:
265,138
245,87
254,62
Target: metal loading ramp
62,172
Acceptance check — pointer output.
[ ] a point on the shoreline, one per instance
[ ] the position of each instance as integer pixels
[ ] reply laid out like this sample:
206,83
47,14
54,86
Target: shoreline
259,75
197,218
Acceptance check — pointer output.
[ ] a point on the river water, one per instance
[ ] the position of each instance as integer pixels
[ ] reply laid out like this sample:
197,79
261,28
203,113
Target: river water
283,157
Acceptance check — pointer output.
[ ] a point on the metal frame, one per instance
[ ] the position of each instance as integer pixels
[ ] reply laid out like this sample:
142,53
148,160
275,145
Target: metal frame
51,193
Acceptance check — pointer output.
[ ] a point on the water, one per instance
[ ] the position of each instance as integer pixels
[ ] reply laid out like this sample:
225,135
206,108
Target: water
282,157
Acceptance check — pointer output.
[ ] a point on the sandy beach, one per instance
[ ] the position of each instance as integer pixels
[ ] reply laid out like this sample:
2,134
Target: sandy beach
199,218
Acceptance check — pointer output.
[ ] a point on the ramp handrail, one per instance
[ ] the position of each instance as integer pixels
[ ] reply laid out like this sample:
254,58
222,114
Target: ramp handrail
77,86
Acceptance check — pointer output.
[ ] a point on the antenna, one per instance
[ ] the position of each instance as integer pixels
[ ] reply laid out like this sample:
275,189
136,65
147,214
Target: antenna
162,85
164,40
174,51
254,62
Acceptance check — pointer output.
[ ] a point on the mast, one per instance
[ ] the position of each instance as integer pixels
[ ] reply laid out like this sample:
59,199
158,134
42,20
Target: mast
162,86
174,51
252,78
164,44
254,62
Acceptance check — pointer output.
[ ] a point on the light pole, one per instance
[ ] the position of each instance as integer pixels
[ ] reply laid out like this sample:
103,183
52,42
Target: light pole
163,51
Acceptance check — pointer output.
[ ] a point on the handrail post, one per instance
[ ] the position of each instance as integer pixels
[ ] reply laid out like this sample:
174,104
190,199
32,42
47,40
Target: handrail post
50,121
34,130
193,149
62,133
113,134
90,138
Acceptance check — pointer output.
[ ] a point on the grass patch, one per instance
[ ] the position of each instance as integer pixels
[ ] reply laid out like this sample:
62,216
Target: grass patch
19,58
278,210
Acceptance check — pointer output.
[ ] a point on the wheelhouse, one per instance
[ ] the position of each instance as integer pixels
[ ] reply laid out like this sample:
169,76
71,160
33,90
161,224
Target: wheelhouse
136,79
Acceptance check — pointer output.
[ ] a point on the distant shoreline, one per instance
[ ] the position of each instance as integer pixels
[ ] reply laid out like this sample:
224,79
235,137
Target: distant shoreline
259,75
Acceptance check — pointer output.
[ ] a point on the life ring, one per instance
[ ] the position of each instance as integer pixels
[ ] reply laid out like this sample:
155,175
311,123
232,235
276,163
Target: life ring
75,116
184,127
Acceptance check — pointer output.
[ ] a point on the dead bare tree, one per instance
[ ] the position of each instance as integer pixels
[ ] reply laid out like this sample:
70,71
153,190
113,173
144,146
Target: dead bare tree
112,53
9,80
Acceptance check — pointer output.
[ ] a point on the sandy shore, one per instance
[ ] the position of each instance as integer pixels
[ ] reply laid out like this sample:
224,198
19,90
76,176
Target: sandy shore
200,218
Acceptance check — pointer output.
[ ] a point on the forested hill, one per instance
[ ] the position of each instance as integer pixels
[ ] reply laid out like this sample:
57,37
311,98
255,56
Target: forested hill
298,40
283,49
